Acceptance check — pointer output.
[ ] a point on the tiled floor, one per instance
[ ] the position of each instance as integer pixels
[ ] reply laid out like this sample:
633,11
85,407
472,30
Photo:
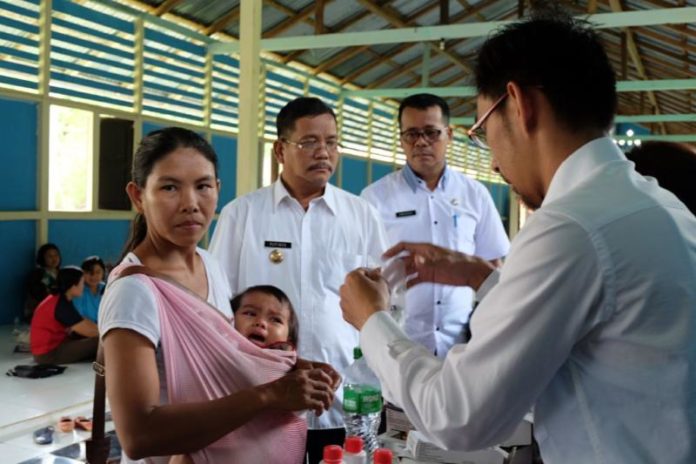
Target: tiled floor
29,404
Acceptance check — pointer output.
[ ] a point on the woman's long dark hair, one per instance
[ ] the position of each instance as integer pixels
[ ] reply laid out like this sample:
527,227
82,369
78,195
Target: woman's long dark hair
155,146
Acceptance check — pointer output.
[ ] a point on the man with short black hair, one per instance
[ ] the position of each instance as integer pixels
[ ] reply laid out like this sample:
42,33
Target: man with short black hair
427,201
592,319
303,235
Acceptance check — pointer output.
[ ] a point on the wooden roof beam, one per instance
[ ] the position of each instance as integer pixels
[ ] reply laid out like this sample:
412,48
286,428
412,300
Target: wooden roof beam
337,28
391,17
223,21
294,18
465,14
636,59
165,7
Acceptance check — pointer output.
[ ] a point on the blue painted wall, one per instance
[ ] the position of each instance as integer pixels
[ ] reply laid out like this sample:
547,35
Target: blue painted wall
18,132
78,239
18,258
18,192
354,174
226,149
380,170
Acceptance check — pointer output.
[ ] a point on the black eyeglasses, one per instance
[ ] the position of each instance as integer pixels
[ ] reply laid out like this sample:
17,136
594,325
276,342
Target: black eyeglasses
312,146
477,134
430,135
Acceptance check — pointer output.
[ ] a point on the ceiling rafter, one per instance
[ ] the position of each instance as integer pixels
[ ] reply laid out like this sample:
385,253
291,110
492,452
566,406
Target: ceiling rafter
405,67
463,78
294,18
372,64
635,55
474,10
389,14
352,51
401,48
336,28
223,21
644,43
165,7
661,37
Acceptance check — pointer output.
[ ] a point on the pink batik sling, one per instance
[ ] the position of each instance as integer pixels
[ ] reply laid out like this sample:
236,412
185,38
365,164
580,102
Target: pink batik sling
205,358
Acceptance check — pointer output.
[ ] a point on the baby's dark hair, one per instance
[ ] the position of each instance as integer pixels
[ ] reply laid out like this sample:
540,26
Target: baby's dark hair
293,324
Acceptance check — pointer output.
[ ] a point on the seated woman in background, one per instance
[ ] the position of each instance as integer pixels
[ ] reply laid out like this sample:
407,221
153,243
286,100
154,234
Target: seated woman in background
58,334
88,304
673,165
180,379
43,279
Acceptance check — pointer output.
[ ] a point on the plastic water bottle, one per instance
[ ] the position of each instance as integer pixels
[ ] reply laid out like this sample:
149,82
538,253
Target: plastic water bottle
333,454
353,452
362,402
383,456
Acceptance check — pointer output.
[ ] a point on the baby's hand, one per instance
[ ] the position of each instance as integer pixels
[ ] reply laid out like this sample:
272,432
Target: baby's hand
330,371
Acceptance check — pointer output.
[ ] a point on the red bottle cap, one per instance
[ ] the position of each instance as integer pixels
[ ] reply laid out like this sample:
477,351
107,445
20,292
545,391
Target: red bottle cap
333,453
383,456
353,444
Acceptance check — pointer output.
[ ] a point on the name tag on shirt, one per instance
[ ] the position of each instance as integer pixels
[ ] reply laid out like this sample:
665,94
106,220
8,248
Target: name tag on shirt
272,244
401,214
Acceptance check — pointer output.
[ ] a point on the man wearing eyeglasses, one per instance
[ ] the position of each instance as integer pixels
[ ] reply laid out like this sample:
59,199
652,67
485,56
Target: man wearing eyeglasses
303,235
592,319
426,201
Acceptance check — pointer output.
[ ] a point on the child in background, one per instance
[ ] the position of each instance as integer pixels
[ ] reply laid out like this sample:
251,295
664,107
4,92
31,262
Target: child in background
43,280
265,316
88,304
59,334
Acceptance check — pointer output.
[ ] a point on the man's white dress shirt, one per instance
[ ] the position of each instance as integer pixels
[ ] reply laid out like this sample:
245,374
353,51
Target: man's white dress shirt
459,214
338,233
592,321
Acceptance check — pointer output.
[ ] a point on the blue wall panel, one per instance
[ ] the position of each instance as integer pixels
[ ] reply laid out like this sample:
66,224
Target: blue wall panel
211,230
380,170
354,174
501,198
226,149
79,239
18,132
151,126
18,259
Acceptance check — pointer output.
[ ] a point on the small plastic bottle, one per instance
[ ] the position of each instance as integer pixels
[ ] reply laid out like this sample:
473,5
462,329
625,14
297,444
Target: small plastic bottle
362,402
353,451
383,456
333,454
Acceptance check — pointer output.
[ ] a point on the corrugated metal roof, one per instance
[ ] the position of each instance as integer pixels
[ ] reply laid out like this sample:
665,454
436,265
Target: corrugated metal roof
666,51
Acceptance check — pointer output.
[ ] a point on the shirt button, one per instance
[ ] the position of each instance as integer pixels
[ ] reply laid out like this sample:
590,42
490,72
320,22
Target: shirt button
435,222
439,302
437,329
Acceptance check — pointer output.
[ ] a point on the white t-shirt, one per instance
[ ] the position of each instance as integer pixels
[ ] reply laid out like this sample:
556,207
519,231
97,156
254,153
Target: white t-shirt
129,303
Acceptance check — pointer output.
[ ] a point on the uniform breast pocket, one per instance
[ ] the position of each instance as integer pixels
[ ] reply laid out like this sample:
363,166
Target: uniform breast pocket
405,229
465,232
335,266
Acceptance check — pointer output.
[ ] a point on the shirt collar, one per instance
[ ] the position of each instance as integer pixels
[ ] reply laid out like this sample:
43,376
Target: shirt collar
280,193
581,164
413,180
